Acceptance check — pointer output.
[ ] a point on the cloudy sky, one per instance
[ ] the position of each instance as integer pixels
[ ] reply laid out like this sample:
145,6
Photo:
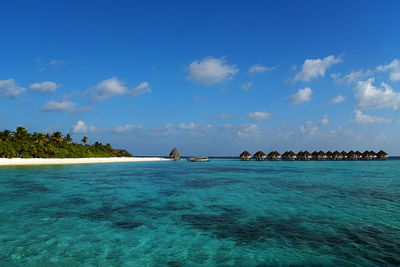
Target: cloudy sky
209,77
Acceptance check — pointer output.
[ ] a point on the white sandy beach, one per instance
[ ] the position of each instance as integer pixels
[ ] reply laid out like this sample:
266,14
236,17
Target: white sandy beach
41,161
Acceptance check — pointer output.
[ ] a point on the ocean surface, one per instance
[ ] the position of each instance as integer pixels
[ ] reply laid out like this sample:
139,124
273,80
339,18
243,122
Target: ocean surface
218,213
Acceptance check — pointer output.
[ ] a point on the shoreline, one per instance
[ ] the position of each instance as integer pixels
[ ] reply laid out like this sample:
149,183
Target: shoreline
64,161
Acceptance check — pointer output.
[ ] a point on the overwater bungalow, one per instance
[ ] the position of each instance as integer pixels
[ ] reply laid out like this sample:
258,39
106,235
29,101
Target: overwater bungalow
344,155
322,155
352,155
307,155
382,155
329,155
304,156
300,155
245,155
259,155
274,156
319,155
314,155
373,155
289,155
175,155
368,155
358,154
336,156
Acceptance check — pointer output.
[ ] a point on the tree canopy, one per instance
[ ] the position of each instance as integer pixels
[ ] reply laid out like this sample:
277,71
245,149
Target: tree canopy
22,144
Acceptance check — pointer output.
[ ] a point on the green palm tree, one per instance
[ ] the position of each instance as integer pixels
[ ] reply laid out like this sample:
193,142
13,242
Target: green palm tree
57,138
68,139
5,135
39,138
48,138
21,133
84,140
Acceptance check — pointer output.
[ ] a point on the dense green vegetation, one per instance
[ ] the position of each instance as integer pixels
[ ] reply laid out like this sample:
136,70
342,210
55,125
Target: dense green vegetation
22,144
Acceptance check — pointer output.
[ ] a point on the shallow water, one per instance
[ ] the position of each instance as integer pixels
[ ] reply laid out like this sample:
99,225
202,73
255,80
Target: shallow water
218,213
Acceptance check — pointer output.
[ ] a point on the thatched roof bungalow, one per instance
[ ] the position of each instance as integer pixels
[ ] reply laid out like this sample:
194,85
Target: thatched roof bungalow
344,155
368,155
329,155
289,155
319,155
304,155
307,155
322,155
175,154
314,155
245,155
358,154
274,156
336,156
259,155
299,155
382,155
352,155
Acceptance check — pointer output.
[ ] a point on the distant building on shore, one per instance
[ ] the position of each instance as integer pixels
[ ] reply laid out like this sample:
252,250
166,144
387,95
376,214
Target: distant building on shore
175,154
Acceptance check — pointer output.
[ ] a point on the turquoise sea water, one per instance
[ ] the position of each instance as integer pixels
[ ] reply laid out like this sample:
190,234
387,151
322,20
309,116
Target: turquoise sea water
218,213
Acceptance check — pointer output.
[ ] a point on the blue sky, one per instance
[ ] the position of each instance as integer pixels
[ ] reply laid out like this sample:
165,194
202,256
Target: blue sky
209,77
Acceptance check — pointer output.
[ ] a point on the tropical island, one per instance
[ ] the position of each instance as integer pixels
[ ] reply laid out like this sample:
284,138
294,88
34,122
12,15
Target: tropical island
22,144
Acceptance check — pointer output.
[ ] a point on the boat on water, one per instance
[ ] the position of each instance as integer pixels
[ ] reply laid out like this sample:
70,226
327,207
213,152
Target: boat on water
198,159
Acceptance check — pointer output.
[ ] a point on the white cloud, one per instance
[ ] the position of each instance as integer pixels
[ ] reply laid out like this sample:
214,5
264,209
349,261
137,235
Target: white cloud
64,106
393,68
259,116
312,127
189,126
44,87
257,68
127,128
113,86
313,68
246,86
352,77
223,116
80,127
188,129
248,131
369,96
303,95
10,89
337,99
170,128
59,106
142,88
56,63
167,130
360,117
210,71
106,89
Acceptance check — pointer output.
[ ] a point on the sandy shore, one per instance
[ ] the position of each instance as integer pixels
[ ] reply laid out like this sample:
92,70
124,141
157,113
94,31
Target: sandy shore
40,161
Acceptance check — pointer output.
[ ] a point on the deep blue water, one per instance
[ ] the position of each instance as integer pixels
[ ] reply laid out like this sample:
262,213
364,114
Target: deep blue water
219,213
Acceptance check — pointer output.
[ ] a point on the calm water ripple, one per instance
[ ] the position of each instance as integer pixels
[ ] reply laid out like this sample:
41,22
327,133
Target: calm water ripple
220,213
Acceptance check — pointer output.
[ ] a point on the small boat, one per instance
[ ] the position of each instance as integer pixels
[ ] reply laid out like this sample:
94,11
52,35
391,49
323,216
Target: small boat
198,159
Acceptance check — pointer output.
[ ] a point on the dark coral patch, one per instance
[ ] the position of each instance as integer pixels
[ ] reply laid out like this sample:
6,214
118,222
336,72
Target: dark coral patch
127,224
